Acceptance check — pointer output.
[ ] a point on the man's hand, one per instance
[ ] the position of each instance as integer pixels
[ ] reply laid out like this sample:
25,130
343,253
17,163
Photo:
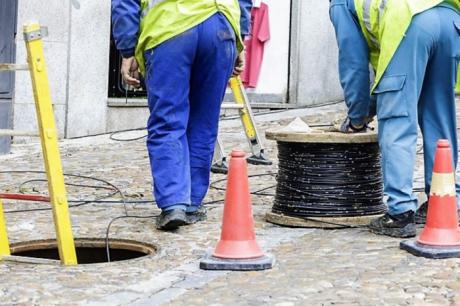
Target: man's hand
130,72
239,64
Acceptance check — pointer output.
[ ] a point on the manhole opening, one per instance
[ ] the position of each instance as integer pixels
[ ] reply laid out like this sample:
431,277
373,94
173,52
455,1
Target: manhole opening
89,251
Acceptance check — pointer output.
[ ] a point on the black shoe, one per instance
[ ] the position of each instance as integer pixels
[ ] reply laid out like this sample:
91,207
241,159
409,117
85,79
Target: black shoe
420,213
399,226
197,216
171,219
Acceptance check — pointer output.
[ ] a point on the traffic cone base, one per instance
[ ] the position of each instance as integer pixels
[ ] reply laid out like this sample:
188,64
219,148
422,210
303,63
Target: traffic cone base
210,262
429,251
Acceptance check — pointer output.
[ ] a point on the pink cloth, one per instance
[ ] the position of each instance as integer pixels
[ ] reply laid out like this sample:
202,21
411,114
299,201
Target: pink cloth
255,45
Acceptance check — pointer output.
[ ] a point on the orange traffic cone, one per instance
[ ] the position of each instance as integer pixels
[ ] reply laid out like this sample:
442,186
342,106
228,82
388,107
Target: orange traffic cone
441,236
237,248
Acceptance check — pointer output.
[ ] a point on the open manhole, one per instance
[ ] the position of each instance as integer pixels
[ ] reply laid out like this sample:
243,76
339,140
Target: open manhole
89,250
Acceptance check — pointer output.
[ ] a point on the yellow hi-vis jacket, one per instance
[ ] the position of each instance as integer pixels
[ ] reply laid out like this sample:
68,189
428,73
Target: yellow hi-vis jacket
457,89
165,19
384,24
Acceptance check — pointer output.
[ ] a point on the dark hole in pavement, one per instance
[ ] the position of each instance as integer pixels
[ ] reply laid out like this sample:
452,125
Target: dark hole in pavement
89,251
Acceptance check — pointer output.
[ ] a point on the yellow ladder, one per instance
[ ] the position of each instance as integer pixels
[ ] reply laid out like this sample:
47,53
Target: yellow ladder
33,35
243,105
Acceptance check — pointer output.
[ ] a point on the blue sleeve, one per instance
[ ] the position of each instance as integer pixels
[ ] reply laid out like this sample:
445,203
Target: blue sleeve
245,6
353,59
126,16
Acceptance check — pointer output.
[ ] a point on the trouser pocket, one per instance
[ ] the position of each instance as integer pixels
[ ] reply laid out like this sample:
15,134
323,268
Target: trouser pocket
391,98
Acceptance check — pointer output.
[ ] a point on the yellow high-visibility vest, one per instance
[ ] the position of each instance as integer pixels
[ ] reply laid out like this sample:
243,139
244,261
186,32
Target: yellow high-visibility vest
457,89
384,24
164,19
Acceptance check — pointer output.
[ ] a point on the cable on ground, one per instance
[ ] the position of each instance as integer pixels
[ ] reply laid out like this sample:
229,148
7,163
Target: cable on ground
77,203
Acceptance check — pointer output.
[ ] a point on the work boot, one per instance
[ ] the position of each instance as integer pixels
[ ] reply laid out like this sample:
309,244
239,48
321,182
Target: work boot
399,226
421,213
170,220
196,216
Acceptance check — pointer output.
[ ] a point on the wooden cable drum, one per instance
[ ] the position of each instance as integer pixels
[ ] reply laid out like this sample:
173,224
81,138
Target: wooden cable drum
326,179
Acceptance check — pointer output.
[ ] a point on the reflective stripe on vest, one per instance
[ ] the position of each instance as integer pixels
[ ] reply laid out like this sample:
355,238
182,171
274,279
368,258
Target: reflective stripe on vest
382,7
149,4
368,23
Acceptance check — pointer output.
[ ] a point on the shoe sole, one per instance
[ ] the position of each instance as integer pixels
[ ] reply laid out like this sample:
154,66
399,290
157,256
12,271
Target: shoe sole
192,220
172,225
408,231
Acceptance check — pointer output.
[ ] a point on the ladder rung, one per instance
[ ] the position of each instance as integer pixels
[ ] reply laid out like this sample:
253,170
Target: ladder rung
13,67
232,106
17,133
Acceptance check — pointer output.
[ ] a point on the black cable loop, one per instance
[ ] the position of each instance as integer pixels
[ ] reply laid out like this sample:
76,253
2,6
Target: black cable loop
329,180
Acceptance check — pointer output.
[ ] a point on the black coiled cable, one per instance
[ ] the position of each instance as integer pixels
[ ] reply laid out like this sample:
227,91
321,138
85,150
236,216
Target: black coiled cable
329,180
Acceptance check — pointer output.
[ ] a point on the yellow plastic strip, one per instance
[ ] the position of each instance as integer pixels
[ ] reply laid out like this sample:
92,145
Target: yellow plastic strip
4,244
49,141
443,184
237,88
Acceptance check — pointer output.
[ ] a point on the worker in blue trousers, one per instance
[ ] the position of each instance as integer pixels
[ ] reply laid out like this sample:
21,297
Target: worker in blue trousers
186,50
414,49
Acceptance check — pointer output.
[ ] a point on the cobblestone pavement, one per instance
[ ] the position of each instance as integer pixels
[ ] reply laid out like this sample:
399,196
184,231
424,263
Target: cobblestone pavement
314,266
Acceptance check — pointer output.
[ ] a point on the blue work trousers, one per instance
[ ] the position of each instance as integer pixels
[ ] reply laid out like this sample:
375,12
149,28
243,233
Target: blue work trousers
186,79
418,88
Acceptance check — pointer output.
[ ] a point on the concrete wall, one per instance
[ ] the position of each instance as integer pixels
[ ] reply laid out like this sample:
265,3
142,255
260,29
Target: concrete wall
124,118
56,15
77,56
314,73
88,67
